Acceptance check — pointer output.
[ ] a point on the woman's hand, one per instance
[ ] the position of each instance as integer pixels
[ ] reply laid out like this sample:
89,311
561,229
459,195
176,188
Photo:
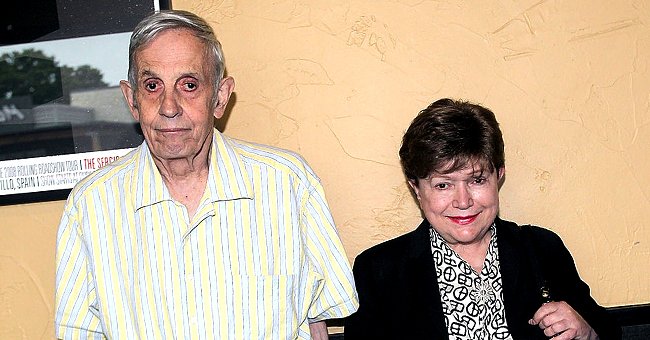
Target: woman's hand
561,322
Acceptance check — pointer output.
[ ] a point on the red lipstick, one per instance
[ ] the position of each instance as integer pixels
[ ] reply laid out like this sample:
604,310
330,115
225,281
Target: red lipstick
463,220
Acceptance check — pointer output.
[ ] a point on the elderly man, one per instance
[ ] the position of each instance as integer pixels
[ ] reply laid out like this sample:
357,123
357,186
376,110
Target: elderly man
194,235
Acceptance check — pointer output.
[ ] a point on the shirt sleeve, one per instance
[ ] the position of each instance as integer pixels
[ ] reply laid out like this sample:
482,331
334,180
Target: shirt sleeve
336,296
75,311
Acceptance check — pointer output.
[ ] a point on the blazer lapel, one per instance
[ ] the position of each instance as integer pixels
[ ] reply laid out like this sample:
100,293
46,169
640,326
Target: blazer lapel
421,278
517,279
509,263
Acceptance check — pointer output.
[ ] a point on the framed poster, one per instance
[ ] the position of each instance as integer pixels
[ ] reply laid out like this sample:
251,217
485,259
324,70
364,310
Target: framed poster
62,114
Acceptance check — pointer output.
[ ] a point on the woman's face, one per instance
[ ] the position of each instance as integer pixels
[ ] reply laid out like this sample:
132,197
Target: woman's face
460,205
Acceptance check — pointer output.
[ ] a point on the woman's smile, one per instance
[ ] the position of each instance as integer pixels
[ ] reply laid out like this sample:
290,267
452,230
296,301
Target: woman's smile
463,220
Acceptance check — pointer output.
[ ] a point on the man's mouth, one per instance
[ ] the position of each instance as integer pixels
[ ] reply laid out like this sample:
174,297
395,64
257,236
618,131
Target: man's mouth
171,130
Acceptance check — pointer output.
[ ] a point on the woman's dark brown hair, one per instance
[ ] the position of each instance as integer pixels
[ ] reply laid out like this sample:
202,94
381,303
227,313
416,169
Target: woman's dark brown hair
450,135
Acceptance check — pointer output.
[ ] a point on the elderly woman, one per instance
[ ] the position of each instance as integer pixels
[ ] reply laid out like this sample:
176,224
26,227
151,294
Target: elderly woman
464,273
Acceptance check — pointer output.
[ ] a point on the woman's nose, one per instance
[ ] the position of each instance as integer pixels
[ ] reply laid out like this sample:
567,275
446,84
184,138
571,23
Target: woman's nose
462,198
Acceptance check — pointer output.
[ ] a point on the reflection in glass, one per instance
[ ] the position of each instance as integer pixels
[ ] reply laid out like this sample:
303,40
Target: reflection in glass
63,96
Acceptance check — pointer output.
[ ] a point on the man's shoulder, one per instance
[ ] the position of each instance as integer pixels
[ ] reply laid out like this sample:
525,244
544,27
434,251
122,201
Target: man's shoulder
265,153
112,172
262,155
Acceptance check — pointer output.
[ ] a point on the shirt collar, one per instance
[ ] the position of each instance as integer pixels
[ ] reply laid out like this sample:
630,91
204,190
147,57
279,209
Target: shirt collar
437,242
228,177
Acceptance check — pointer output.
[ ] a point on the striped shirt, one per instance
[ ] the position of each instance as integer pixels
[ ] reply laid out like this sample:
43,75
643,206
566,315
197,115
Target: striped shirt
260,258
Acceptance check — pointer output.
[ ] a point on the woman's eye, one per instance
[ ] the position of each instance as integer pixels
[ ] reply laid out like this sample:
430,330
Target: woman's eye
479,180
441,186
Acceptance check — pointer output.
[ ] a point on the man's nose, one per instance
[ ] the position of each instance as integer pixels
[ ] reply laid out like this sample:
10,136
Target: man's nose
170,107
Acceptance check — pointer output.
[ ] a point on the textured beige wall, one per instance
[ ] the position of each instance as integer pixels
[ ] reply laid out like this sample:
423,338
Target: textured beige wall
27,237
339,81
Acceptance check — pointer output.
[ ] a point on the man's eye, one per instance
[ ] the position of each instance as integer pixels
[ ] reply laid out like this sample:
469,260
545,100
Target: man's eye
151,86
190,86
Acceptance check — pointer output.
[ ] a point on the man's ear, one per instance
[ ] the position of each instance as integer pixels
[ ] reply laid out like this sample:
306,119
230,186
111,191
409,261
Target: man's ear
127,91
226,86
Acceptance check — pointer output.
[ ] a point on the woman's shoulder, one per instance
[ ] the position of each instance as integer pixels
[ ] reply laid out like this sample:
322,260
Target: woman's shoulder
515,232
399,248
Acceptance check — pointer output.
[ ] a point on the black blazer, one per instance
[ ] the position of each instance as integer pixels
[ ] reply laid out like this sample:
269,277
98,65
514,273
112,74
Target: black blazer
399,296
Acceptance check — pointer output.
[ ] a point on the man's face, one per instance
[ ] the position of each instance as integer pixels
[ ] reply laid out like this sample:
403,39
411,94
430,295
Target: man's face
173,97
460,205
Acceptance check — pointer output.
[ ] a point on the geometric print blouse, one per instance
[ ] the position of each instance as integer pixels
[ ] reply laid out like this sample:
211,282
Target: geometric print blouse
471,303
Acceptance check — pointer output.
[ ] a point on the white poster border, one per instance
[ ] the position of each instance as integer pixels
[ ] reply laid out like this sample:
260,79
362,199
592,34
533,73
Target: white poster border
38,174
